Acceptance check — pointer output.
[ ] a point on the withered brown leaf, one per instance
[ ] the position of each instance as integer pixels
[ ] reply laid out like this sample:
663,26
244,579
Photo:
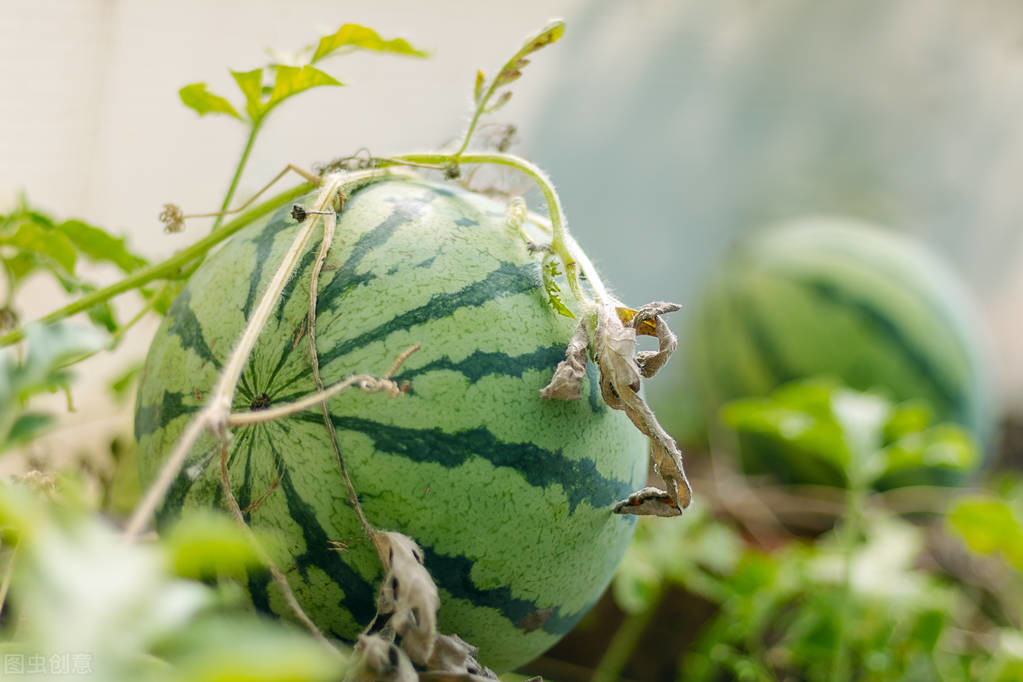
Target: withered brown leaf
570,372
649,501
614,347
408,594
650,362
380,660
456,658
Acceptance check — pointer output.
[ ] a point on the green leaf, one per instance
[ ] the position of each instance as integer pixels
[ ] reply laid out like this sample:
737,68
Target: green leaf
291,80
908,417
207,544
21,265
477,90
947,446
362,38
28,426
48,347
97,245
251,85
550,271
164,296
102,315
989,526
218,649
122,385
196,96
33,237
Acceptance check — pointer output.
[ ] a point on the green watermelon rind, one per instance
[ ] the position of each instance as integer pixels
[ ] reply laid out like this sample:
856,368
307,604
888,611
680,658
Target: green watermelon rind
793,302
508,495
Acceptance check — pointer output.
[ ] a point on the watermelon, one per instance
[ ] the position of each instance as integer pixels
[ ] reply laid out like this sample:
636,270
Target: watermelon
509,496
844,299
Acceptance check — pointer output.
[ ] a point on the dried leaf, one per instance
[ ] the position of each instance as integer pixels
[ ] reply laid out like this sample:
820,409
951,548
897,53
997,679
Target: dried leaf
455,659
408,594
501,101
649,501
650,362
380,660
550,33
569,375
626,315
614,347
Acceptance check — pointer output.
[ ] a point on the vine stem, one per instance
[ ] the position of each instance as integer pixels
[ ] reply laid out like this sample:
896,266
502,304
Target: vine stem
850,538
559,233
366,382
5,584
215,414
329,226
624,642
166,269
237,173
279,578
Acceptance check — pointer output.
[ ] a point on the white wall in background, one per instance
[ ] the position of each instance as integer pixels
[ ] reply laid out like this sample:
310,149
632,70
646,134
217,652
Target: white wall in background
91,125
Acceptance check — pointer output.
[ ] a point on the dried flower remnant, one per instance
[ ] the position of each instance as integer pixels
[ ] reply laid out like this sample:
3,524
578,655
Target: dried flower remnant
173,218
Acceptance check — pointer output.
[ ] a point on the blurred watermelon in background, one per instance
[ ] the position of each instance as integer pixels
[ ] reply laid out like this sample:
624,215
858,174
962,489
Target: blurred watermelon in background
835,297
727,119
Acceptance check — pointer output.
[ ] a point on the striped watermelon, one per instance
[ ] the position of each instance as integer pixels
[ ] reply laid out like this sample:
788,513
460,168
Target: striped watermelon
508,495
829,296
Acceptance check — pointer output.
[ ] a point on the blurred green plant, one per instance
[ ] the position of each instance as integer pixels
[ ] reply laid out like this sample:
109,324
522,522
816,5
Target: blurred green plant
123,611
819,430
34,243
42,369
868,600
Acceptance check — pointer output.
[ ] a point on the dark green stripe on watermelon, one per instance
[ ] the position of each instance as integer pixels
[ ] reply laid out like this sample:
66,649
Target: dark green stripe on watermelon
454,574
507,280
186,327
540,467
264,242
346,277
360,595
483,363
952,401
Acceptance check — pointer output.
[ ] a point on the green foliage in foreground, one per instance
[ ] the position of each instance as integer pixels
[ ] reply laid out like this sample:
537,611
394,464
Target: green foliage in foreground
135,611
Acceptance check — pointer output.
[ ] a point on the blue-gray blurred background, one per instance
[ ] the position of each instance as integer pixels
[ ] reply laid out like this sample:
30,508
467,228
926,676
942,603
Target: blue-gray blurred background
677,129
